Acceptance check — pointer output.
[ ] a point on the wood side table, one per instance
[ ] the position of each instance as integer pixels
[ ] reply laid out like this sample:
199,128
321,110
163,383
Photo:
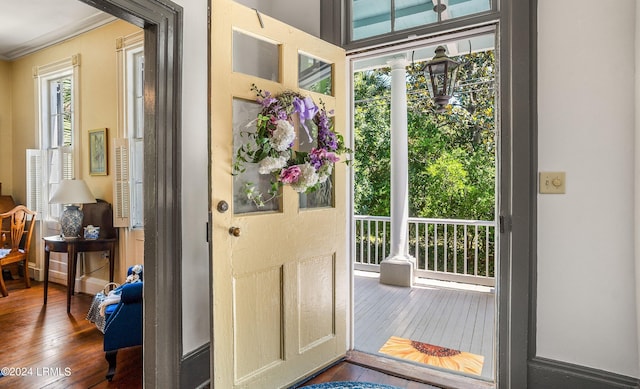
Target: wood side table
72,247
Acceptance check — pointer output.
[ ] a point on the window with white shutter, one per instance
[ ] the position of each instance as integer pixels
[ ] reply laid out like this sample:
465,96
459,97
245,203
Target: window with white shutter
57,84
129,150
34,181
122,192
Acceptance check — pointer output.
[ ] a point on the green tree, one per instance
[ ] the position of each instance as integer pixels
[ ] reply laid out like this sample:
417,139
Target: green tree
372,161
451,154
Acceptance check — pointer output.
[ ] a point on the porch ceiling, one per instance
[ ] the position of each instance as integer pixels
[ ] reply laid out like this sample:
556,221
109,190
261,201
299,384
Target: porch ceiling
424,51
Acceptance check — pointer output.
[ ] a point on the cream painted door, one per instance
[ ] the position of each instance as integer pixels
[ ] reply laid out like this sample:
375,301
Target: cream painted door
280,288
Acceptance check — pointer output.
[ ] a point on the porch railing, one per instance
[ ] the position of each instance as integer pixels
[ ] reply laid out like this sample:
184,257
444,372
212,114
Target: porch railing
444,249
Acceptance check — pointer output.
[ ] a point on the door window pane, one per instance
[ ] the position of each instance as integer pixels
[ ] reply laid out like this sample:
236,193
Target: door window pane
244,115
308,139
255,57
315,75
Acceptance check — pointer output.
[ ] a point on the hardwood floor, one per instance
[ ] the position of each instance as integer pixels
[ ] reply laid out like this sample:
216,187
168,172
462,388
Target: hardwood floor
347,371
60,350
55,349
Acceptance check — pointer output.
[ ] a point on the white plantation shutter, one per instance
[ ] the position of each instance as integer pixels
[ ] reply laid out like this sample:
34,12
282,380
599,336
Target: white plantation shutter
34,181
121,183
66,156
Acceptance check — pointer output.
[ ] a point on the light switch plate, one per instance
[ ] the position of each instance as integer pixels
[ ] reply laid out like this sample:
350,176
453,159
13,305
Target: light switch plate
552,182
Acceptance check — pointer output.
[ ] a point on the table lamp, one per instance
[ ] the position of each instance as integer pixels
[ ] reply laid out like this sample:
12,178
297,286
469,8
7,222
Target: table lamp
72,192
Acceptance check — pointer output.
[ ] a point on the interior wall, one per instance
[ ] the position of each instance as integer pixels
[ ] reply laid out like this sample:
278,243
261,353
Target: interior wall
196,325
98,100
6,175
98,106
637,175
296,14
586,308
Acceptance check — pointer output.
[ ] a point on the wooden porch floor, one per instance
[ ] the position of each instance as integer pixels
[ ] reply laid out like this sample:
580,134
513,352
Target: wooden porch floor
452,318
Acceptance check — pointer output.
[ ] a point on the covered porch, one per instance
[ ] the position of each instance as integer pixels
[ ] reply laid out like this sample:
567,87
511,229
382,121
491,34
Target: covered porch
452,302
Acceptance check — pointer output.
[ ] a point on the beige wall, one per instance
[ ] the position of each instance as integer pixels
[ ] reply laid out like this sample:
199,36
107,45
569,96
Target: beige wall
98,100
5,127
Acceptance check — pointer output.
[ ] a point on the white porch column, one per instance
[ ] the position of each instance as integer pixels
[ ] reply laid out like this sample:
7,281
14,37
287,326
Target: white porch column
397,269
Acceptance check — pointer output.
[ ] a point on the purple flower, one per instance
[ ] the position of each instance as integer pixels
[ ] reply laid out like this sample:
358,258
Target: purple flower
323,121
282,115
315,157
332,157
290,174
267,100
318,157
327,139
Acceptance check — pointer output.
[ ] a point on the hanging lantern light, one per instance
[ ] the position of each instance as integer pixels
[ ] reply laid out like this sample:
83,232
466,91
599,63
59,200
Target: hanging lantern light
442,74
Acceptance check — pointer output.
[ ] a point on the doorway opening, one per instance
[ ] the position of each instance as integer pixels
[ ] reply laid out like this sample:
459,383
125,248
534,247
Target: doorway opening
446,323
162,24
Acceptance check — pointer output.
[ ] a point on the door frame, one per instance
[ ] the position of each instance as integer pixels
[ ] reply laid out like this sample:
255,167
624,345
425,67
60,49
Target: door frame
162,24
444,378
516,306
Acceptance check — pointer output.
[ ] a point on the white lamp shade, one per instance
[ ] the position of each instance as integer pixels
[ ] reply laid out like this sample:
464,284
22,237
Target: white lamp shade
72,192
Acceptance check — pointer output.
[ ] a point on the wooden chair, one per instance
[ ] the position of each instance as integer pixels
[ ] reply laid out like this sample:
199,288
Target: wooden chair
16,241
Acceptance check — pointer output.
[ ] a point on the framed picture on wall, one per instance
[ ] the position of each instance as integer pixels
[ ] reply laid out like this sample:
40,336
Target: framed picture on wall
98,152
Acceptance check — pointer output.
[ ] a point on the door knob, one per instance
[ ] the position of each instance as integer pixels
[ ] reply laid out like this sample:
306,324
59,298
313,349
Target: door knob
235,231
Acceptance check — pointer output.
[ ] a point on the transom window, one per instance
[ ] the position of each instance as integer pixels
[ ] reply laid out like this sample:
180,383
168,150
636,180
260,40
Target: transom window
372,18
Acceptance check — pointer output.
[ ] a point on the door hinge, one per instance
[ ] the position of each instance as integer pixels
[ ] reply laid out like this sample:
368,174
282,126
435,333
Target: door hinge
505,223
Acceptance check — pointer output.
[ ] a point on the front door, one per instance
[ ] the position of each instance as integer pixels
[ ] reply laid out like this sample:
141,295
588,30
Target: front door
280,271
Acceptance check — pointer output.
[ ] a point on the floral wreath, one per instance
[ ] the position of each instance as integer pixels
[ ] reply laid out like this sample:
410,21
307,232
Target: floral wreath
271,145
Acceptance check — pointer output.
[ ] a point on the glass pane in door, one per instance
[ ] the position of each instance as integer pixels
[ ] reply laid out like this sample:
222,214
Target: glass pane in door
255,57
249,183
307,140
315,75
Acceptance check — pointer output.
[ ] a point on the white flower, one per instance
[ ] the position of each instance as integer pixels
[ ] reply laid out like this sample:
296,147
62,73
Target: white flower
282,136
324,172
308,178
270,164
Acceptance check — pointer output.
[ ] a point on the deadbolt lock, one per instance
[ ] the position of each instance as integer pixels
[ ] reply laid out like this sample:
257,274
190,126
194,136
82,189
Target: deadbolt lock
223,206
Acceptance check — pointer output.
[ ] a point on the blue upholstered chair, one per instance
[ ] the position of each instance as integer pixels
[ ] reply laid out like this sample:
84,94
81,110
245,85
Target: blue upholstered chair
123,322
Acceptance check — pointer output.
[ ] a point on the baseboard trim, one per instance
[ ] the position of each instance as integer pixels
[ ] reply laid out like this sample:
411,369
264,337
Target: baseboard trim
35,273
195,368
84,284
546,373
90,285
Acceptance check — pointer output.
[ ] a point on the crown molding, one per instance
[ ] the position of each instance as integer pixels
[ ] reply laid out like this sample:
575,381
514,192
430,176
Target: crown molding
63,33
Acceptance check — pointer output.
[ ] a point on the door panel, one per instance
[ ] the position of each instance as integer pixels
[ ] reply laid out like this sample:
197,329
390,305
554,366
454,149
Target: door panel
280,288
